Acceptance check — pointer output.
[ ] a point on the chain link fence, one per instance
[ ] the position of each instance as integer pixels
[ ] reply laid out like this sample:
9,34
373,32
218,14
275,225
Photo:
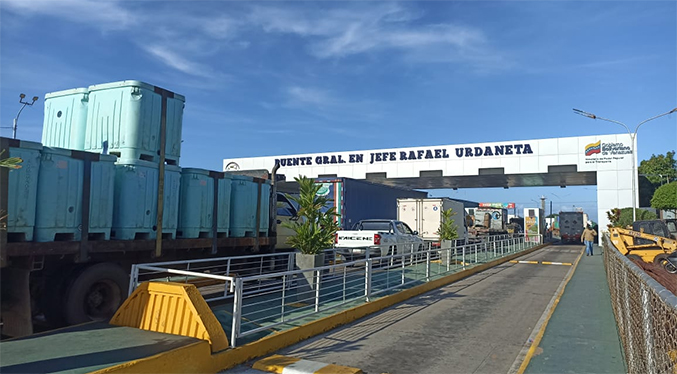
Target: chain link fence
646,315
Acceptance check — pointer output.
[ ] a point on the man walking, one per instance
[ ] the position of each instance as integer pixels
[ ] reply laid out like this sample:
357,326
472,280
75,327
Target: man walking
588,237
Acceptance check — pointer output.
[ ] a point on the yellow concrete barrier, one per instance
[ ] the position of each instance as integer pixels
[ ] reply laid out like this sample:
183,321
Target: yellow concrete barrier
171,308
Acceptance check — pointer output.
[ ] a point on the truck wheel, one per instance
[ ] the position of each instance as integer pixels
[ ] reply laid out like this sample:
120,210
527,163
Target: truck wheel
96,293
662,260
52,300
392,251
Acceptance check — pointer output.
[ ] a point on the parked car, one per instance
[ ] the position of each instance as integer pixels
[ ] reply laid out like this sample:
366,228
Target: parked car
377,237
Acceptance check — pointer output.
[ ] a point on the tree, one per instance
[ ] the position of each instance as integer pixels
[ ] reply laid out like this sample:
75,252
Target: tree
314,229
623,217
447,230
665,197
658,168
613,215
646,190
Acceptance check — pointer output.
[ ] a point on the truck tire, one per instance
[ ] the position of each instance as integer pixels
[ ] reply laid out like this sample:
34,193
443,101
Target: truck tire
52,300
391,261
96,293
662,260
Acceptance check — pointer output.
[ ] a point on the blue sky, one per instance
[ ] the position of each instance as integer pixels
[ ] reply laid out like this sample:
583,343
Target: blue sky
272,78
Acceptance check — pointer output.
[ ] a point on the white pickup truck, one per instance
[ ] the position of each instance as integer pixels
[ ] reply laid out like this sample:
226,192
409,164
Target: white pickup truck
377,237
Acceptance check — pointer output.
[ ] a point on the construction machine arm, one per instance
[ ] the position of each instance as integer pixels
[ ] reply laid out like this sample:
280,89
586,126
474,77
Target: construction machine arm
624,241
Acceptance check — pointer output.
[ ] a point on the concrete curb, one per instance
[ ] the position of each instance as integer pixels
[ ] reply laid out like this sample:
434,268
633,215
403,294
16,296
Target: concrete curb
287,365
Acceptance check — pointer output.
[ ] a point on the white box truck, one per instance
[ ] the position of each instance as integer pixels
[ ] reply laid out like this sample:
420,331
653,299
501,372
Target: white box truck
425,215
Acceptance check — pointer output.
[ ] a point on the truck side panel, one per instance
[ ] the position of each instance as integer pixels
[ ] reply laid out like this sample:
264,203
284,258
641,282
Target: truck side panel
408,211
496,217
358,200
425,215
365,200
459,218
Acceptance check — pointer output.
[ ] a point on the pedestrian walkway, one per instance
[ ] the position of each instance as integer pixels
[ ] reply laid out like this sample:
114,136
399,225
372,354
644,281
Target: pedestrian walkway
581,335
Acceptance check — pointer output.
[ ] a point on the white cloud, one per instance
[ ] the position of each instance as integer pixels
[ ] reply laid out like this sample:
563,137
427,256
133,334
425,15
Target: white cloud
327,32
343,32
331,107
107,15
592,66
219,27
178,62
312,96
169,35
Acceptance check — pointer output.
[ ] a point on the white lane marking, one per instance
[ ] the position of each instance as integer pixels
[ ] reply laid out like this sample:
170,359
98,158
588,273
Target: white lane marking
303,367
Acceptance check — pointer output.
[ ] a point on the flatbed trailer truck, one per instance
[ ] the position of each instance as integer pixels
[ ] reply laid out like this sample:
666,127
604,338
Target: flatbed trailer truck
69,282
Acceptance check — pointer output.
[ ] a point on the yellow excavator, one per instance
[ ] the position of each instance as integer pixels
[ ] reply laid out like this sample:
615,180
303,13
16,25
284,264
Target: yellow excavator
649,241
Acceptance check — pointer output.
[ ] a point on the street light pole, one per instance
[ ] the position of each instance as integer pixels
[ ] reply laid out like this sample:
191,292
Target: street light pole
16,119
633,136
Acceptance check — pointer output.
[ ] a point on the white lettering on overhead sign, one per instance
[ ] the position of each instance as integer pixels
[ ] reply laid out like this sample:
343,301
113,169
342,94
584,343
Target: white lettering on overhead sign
418,154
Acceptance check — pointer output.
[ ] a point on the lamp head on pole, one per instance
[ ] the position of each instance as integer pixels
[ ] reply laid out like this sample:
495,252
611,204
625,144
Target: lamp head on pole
35,98
22,96
586,114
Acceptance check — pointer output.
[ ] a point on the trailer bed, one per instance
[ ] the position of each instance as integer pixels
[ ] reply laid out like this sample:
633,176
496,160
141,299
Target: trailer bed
84,348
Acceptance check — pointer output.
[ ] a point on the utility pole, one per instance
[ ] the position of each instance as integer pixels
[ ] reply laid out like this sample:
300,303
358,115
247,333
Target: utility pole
542,223
16,119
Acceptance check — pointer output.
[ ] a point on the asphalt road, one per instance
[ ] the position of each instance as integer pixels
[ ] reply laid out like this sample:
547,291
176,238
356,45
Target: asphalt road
477,325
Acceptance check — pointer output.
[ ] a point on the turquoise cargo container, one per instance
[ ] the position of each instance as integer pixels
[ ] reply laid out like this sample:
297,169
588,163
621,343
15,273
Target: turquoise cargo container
59,196
196,205
65,119
264,209
223,219
125,117
136,189
244,195
23,189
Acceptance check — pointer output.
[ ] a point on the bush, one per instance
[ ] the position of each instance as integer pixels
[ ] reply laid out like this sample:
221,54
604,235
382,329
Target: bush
314,229
447,230
665,197
623,217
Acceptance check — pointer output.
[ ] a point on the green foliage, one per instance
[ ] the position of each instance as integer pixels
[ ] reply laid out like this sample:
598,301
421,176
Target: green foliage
665,197
614,215
665,165
447,230
623,217
314,230
11,162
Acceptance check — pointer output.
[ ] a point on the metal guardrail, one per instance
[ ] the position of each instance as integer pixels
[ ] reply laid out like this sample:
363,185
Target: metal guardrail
264,292
645,312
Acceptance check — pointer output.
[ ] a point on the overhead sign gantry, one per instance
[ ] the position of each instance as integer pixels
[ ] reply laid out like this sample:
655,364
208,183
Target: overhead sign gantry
602,160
